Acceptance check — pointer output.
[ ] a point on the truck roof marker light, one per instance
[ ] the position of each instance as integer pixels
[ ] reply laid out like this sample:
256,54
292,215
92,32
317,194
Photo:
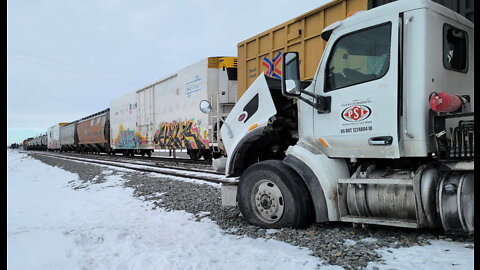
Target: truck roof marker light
351,13
323,142
354,13
252,127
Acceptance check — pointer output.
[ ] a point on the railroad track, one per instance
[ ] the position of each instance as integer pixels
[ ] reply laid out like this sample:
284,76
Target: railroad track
171,159
137,157
190,173
152,161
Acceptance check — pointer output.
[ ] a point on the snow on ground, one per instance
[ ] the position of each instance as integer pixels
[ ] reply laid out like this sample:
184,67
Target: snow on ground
439,255
50,225
56,222
349,242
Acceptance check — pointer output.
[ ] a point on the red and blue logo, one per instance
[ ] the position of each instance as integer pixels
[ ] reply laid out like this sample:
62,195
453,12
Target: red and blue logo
273,67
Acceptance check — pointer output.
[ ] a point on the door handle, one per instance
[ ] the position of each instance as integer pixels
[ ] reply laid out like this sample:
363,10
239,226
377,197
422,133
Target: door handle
382,140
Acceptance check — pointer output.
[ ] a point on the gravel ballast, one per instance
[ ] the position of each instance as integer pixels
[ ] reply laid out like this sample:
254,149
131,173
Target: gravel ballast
351,247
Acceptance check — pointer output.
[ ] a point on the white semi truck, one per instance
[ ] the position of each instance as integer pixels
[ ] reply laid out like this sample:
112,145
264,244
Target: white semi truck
383,134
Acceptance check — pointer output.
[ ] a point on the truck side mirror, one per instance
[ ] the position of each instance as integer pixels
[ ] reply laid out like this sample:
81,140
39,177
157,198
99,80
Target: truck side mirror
290,74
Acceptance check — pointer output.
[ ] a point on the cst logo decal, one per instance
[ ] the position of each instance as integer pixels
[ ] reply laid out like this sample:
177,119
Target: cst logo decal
356,113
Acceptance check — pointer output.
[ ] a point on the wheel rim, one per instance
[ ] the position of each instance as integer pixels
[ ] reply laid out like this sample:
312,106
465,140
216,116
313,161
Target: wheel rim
267,200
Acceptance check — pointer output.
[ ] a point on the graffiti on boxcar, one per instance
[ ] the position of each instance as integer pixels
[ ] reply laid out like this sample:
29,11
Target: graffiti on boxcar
129,139
53,144
178,135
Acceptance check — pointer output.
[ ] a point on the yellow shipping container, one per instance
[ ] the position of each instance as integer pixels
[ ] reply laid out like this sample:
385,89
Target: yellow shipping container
262,53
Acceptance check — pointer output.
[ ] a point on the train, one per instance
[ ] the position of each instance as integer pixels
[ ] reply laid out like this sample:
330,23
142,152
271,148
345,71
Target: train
161,115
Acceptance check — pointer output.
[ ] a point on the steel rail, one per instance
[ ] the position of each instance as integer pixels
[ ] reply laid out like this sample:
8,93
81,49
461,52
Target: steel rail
172,171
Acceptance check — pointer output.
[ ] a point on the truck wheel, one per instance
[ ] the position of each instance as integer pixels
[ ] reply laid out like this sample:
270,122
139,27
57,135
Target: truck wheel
272,195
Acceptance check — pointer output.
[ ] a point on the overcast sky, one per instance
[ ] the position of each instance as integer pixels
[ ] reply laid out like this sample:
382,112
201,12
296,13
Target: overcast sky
68,59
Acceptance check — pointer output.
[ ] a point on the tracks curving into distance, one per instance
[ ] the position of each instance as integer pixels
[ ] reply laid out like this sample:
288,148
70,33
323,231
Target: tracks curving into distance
153,166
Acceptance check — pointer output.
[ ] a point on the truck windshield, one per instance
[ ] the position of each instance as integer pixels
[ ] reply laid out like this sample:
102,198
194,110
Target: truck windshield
359,57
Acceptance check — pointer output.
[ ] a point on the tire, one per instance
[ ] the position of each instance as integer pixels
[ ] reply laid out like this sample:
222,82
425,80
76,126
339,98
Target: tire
272,195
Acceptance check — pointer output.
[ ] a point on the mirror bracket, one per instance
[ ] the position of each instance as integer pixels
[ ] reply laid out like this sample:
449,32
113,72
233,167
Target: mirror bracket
323,104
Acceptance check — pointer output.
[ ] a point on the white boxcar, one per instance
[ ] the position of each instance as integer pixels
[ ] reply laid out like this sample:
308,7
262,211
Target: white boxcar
53,135
123,123
166,114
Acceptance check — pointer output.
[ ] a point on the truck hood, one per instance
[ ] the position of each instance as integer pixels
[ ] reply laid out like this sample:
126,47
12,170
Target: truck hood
248,118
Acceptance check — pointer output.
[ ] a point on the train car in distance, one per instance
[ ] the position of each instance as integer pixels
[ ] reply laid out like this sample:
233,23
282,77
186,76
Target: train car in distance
53,134
68,138
41,143
25,143
28,143
165,114
35,143
93,133
44,142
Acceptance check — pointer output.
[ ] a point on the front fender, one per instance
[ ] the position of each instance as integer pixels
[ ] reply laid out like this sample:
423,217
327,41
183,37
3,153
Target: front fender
313,185
326,171
236,158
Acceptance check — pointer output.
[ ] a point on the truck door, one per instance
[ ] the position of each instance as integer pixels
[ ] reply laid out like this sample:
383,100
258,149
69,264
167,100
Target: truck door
359,71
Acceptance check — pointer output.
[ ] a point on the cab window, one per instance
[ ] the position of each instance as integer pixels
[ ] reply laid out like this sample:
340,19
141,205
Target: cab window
455,53
359,57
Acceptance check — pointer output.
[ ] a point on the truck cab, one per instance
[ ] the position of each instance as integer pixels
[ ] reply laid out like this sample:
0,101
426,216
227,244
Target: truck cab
383,134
